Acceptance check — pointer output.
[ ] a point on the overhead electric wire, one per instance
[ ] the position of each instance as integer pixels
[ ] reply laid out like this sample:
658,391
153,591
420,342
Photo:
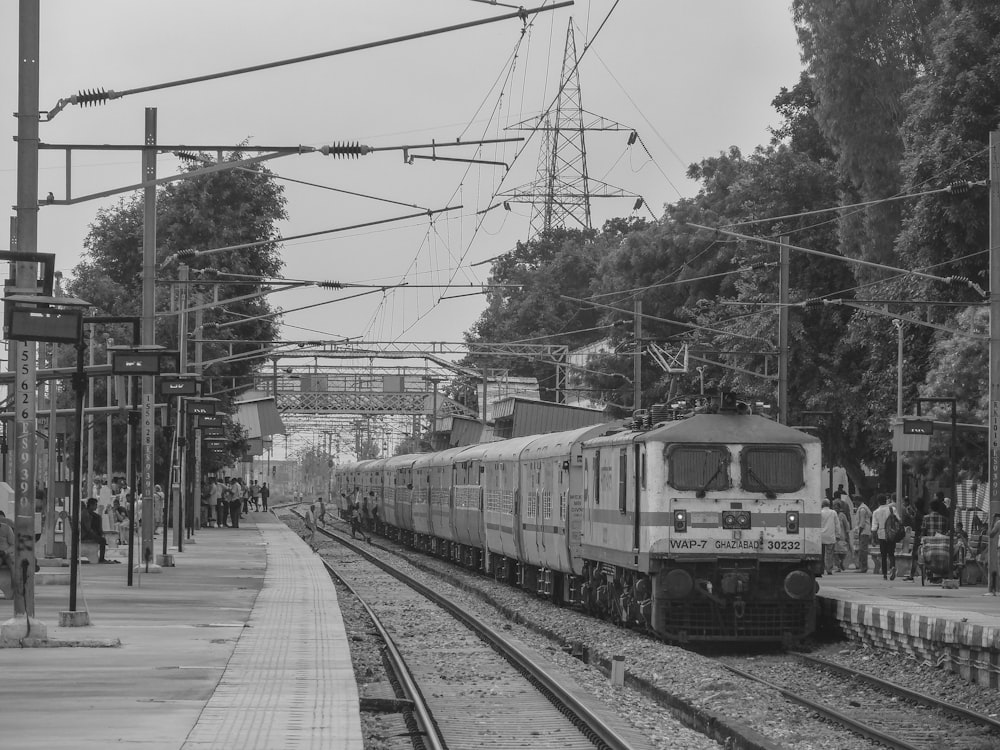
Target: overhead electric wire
100,96
863,204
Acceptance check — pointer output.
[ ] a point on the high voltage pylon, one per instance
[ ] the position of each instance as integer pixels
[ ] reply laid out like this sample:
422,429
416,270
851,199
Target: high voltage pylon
562,190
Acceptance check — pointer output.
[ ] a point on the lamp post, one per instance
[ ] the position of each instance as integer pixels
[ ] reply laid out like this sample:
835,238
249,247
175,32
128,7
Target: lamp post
952,467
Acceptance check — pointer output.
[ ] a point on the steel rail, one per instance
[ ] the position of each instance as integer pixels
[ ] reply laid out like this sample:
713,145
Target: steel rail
902,692
588,722
429,733
865,730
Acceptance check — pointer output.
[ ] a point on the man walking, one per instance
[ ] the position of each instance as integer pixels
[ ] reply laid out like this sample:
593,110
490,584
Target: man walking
265,494
311,526
863,524
828,523
886,544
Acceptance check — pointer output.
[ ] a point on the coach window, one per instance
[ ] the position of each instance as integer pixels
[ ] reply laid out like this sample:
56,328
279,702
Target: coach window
698,468
772,468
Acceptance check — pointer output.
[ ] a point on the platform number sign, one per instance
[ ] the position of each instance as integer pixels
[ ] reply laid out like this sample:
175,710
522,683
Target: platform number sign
26,417
147,445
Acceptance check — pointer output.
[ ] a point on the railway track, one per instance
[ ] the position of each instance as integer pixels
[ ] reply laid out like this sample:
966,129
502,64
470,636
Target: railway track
879,710
464,684
706,699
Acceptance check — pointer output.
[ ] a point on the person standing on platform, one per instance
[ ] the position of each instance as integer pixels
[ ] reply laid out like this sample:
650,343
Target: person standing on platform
886,545
225,500
916,524
235,503
863,525
843,549
158,500
214,493
255,495
93,529
321,510
842,504
265,494
828,523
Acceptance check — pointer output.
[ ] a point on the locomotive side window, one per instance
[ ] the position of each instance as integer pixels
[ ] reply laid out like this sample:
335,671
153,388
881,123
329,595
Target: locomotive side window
622,479
596,476
772,468
698,467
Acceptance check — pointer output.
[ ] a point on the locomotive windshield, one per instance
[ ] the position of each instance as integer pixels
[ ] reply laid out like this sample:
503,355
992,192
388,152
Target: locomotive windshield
698,467
772,468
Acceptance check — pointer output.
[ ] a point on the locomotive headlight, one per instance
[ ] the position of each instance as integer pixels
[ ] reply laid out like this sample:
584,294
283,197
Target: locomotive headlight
792,522
680,521
736,519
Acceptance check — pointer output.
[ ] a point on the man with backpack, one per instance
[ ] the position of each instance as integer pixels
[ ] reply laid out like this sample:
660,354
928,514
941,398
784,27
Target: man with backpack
887,528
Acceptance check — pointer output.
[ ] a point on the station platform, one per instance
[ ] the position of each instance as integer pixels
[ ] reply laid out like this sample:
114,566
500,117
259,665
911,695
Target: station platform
956,628
240,645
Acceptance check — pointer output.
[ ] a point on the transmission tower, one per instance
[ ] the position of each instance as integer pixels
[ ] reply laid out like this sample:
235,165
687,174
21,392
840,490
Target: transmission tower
561,193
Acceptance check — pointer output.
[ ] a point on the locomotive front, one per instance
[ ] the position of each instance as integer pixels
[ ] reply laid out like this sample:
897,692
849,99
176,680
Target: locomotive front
734,540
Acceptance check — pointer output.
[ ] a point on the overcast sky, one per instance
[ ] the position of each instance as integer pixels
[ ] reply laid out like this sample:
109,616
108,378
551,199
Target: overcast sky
692,77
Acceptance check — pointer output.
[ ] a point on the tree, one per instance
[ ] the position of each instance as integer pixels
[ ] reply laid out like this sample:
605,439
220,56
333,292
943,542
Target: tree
230,207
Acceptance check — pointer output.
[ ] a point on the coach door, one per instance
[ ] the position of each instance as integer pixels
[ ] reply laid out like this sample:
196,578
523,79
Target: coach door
638,485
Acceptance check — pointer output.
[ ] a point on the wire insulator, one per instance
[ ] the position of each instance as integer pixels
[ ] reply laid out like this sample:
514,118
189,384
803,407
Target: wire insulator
346,150
186,254
92,97
959,188
330,285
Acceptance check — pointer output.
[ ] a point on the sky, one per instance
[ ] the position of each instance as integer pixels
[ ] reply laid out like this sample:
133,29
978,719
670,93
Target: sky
691,77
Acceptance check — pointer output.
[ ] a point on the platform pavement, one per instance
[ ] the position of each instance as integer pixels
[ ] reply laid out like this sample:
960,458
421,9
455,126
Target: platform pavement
957,628
240,645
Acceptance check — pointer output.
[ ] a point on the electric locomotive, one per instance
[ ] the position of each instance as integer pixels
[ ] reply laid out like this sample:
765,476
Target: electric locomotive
705,527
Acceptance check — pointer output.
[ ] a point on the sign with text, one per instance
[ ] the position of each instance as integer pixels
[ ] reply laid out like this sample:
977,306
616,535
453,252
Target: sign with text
60,327
178,387
200,408
144,363
918,427
209,420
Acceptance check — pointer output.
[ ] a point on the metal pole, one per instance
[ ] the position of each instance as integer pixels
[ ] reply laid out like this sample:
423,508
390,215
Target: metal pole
148,333
783,333
49,523
90,422
24,362
994,416
168,492
199,323
79,384
954,483
899,412
637,357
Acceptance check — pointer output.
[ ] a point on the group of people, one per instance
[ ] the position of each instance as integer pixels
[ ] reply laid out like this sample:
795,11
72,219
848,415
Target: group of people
231,498
849,526
361,512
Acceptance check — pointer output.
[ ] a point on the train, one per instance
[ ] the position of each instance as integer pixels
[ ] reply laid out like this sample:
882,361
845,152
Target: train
697,521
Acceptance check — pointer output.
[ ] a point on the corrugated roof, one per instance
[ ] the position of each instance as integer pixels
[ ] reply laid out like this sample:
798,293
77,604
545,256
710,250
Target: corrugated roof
259,417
